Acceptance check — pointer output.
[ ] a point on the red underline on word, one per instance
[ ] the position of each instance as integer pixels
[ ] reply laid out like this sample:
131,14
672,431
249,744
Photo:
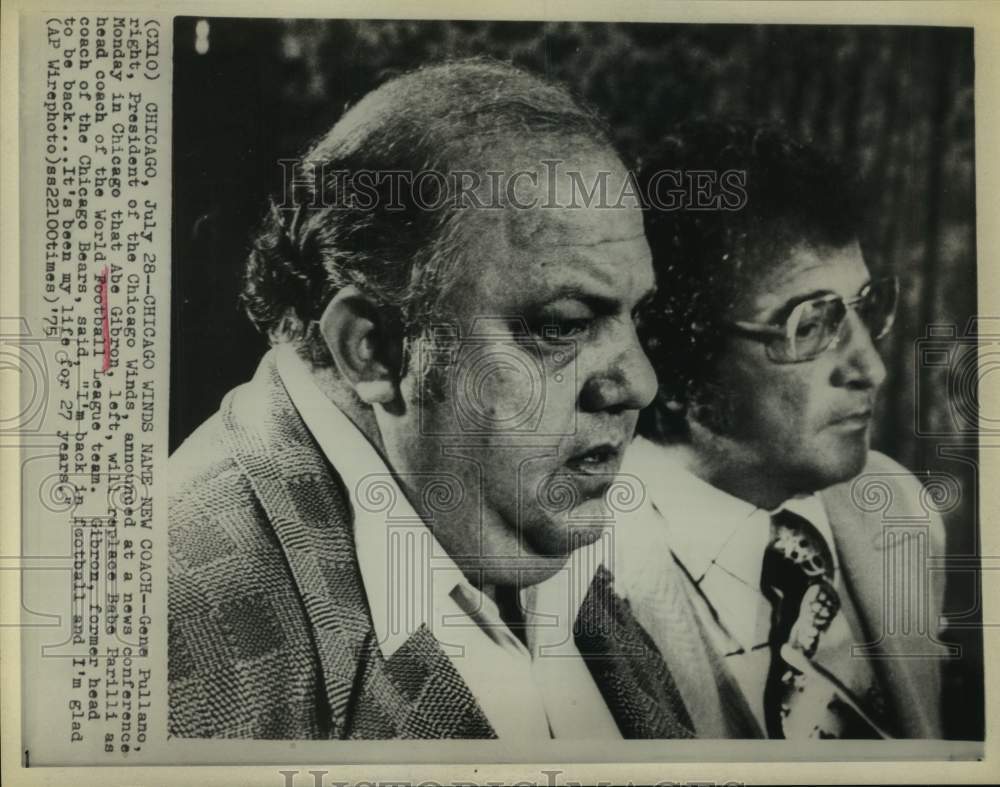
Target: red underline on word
105,325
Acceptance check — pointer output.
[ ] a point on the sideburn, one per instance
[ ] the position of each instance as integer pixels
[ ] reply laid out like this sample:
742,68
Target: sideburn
714,406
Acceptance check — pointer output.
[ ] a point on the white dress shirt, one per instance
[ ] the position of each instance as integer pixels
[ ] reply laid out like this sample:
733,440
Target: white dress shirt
719,540
528,692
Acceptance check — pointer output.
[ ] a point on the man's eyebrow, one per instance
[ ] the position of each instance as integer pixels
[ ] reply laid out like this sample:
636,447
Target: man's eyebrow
808,296
603,304
786,308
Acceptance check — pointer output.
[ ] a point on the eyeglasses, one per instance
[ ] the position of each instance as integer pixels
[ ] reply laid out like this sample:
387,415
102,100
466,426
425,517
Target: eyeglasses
816,325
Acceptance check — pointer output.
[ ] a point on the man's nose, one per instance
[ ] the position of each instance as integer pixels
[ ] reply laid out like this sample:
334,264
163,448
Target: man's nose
628,382
861,365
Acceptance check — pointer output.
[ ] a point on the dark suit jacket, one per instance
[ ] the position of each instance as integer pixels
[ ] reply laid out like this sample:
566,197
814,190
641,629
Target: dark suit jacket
885,529
270,631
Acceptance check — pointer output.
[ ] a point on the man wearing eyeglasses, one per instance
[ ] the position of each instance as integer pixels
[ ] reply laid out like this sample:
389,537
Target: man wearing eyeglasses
758,574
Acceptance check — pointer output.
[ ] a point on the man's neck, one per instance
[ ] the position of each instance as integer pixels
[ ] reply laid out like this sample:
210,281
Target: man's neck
719,465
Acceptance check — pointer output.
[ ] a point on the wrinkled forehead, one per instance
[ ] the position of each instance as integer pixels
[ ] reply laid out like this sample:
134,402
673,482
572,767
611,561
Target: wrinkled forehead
580,208
571,226
568,197
513,256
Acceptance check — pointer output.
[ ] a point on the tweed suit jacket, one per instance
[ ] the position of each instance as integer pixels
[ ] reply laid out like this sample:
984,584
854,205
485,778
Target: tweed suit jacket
884,531
270,634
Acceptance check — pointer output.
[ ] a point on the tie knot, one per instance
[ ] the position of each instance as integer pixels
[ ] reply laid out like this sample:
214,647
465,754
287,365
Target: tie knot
796,541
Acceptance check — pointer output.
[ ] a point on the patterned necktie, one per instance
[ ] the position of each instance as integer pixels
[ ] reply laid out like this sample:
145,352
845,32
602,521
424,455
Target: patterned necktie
797,578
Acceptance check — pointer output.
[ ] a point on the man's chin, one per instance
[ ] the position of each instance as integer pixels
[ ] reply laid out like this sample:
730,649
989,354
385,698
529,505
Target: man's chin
842,466
559,535
546,547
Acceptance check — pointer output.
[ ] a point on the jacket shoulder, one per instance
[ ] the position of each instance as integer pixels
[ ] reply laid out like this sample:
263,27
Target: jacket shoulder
886,491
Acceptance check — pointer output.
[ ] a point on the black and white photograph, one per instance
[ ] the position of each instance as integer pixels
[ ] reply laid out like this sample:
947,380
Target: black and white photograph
565,380
414,394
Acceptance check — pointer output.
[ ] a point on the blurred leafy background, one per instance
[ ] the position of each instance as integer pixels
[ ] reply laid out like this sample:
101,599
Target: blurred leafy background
897,101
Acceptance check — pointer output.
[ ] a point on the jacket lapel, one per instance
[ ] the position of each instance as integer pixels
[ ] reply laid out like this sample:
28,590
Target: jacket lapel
416,693
302,499
660,598
627,667
874,563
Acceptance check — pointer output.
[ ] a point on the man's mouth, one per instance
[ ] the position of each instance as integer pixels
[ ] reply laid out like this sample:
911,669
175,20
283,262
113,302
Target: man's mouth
856,419
598,459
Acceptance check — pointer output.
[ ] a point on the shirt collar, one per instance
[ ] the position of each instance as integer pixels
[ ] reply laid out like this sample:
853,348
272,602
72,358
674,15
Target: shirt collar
409,578
701,518
404,569
709,527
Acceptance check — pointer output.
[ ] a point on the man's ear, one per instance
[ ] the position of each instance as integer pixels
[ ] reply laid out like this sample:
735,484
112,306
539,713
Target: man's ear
712,407
366,349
